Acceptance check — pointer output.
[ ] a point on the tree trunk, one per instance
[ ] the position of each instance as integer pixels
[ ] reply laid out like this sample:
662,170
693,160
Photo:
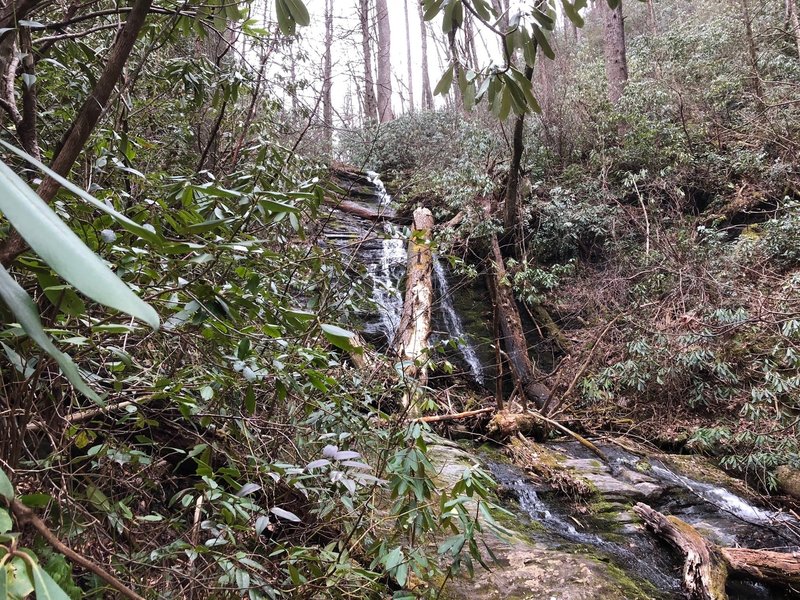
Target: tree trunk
88,116
510,220
411,343
458,99
794,23
327,77
752,51
385,113
706,567
427,95
615,51
516,346
408,59
370,103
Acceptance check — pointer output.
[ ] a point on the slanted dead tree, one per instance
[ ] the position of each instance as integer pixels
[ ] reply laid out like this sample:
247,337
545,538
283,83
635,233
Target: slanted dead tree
411,340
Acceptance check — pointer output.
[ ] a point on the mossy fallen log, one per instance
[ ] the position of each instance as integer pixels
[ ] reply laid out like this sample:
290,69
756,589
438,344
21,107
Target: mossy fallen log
706,566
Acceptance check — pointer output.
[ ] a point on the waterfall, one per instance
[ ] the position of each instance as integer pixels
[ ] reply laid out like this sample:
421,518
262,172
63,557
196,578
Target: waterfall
455,327
387,270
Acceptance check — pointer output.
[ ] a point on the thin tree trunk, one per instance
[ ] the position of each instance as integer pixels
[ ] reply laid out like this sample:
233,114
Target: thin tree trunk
458,100
88,116
385,113
370,102
752,51
327,78
516,346
651,12
510,220
794,23
408,59
427,95
615,51
469,37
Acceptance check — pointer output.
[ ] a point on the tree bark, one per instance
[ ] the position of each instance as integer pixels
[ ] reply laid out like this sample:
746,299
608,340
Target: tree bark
427,94
516,346
370,102
615,51
706,566
415,324
794,23
88,116
511,213
408,59
327,78
752,51
385,113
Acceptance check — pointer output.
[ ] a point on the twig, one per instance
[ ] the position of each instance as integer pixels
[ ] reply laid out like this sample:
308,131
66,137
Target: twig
26,515
85,415
461,415
583,367
578,437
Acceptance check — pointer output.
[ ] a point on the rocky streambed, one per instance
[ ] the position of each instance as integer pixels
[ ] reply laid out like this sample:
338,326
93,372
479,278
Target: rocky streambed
596,547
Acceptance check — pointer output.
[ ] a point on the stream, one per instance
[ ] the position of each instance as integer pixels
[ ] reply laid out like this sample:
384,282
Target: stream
606,534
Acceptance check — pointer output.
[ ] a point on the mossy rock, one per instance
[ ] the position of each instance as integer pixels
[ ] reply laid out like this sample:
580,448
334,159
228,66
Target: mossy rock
788,480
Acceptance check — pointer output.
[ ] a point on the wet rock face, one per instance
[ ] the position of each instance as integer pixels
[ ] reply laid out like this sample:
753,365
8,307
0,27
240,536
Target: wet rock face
524,568
526,572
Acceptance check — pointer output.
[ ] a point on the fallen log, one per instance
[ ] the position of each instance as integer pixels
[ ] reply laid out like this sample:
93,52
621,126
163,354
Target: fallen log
369,213
765,565
516,346
411,340
706,566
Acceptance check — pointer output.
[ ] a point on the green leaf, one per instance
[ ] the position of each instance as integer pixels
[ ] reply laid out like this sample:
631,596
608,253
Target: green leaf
341,338
250,400
527,89
6,488
27,313
61,296
19,583
298,11
6,524
432,8
66,254
132,226
285,21
4,582
443,87
613,4
284,514
45,587
572,12
541,38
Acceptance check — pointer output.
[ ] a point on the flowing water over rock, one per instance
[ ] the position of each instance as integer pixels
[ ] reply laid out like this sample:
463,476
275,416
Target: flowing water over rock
563,553
611,530
454,324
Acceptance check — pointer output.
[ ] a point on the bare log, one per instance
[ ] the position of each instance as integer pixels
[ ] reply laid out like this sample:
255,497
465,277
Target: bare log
516,346
765,565
378,214
411,341
455,416
706,566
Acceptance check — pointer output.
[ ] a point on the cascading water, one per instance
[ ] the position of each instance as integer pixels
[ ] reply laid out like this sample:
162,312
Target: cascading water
386,269
452,320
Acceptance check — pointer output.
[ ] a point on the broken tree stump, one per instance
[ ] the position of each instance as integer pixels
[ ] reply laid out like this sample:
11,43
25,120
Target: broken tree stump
411,343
